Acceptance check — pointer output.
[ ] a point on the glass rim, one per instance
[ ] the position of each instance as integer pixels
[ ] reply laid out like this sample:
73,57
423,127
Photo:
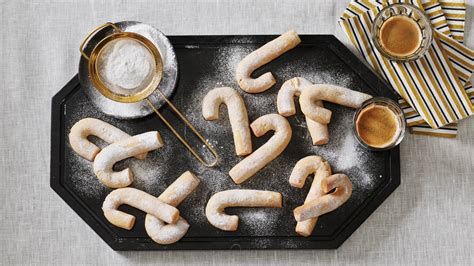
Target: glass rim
400,115
420,52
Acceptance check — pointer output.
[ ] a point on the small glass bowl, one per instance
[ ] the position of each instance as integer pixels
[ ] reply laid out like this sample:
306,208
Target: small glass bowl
395,108
411,12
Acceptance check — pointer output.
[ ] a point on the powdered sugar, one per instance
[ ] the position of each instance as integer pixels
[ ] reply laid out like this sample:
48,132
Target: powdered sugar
126,65
167,83
258,221
83,178
164,165
149,174
163,233
343,152
238,198
261,56
345,155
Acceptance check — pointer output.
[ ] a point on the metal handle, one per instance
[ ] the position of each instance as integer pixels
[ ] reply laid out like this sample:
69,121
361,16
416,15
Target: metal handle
185,143
94,31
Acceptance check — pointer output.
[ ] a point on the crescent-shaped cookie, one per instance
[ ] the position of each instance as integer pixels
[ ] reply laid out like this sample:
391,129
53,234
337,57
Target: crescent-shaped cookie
163,233
140,200
260,57
238,117
94,127
117,151
268,151
330,93
286,107
238,198
328,202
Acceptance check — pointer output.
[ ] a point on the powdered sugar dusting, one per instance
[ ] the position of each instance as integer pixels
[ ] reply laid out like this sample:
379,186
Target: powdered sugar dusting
227,59
83,178
258,221
342,152
149,173
345,155
163,166
167,83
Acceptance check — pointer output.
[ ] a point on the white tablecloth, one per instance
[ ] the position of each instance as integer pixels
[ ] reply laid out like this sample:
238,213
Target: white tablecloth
428,219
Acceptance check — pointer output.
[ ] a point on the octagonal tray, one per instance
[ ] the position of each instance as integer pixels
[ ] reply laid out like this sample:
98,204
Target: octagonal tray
206,62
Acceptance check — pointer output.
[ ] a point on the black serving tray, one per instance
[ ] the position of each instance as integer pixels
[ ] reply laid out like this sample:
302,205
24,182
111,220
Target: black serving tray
206,62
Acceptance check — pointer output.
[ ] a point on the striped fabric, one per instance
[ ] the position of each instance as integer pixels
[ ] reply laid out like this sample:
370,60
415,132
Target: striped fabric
448,131
435,13
455,14
433,88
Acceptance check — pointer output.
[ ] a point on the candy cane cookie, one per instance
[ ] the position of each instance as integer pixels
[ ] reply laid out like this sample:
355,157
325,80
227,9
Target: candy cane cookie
238,198
286,107
117,151
137,199
94,127
238,117
303,168
330,93
163,233
268,151
260,57
328,202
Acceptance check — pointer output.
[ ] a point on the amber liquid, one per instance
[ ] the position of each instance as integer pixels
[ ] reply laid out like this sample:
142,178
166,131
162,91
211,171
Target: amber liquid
378,126
400,36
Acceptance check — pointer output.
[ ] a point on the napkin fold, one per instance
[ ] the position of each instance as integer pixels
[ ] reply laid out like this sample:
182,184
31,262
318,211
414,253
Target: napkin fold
435,90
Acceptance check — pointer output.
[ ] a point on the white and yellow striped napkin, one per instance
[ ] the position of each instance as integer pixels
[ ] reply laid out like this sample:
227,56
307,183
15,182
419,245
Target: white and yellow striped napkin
434,87
448,17
455,13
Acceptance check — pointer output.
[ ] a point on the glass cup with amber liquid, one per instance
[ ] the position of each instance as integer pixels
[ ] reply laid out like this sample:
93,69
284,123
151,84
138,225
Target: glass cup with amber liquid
379,124
402,32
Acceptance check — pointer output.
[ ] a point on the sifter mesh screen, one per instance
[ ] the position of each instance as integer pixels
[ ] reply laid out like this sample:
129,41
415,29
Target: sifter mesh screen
126,66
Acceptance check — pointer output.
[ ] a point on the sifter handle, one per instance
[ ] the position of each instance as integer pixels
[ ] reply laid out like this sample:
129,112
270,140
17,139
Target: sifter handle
183,141
81,48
